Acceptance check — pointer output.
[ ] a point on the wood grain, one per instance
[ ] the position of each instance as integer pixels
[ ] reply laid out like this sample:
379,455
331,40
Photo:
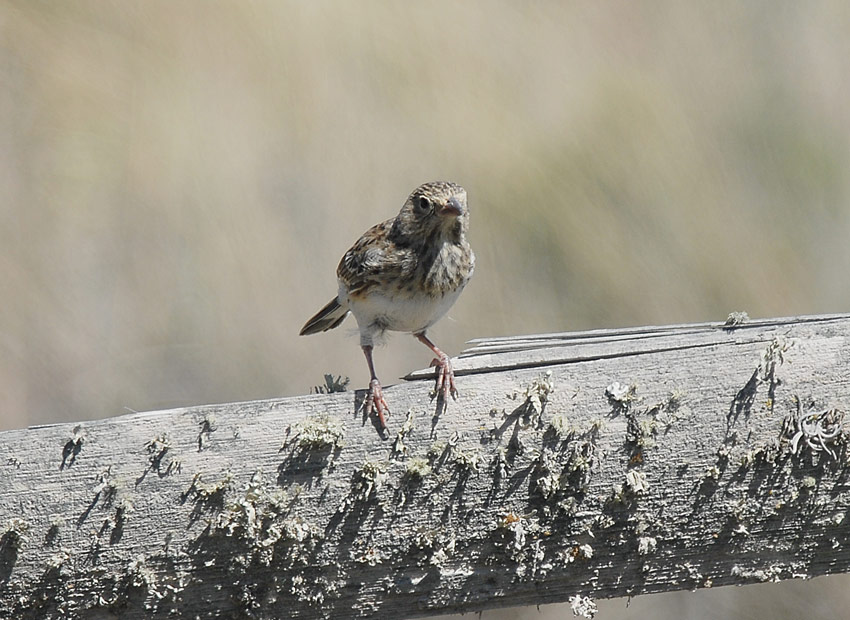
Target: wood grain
601,464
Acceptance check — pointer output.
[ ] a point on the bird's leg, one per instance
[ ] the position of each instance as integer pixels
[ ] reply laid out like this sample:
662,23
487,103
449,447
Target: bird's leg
375,400
445,374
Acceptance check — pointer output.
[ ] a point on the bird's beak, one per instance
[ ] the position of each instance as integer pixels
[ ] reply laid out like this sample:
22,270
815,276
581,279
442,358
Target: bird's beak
453,207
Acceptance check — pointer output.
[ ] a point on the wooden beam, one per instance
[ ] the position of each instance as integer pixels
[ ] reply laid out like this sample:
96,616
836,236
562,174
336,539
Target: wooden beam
596,464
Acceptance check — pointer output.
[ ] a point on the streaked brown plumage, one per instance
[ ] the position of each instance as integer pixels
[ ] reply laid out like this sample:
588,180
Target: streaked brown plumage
403,275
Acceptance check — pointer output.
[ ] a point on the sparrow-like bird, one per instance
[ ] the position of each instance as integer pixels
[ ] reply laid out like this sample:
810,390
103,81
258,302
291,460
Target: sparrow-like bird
403,275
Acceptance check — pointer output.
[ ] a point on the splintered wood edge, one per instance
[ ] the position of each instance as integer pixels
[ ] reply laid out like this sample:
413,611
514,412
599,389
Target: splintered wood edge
612,468
489,354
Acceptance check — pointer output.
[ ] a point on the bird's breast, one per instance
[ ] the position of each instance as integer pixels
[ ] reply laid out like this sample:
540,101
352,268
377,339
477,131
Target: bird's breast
397,309
448,270
417,296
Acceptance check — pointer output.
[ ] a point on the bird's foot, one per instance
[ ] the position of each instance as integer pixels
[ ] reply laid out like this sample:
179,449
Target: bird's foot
376,403
445,377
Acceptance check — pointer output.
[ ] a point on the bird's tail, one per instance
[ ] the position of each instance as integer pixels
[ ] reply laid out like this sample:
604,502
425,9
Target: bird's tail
327,318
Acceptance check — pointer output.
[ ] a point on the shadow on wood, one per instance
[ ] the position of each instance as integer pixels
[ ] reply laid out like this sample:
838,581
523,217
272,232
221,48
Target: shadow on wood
604,463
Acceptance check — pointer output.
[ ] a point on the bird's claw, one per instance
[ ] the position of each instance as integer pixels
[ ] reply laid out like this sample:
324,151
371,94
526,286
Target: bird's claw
445,377
376,403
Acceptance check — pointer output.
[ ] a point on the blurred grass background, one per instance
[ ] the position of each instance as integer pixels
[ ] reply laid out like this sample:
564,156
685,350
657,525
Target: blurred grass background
179,181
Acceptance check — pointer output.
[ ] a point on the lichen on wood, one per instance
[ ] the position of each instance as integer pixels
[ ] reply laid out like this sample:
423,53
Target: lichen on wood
573,467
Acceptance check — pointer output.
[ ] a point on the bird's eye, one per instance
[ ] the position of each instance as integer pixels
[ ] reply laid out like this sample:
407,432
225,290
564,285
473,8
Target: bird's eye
423,204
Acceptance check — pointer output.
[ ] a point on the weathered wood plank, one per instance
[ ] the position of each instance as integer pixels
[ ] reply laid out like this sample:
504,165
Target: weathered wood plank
535,486
548,349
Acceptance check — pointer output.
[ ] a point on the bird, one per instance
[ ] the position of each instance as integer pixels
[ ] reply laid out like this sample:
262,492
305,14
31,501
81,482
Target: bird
403,275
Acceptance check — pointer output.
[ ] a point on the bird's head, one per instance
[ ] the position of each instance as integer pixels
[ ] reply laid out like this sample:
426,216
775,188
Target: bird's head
438,207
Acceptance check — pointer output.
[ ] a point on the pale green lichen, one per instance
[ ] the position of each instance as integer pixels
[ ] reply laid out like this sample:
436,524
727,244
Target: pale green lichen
566,431
772,573
535,397
516,526
568,469
641,433
576,552
208,492
417,468
467,460
713,473
313,591
437,449
635,485
208,427
562,427
620,395
675,399
670,410
251,505
259,515
14,532
736,318
332,385
581,459
371,556
435,544
519,537
157,449
500,463
371,476
583,606
399,448
820,431
158,446
772,356
765,454
647,545
636,482
548,481
366,483
58,560
320,432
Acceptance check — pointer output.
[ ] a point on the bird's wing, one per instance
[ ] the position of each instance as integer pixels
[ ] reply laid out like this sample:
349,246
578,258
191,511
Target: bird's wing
374,260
